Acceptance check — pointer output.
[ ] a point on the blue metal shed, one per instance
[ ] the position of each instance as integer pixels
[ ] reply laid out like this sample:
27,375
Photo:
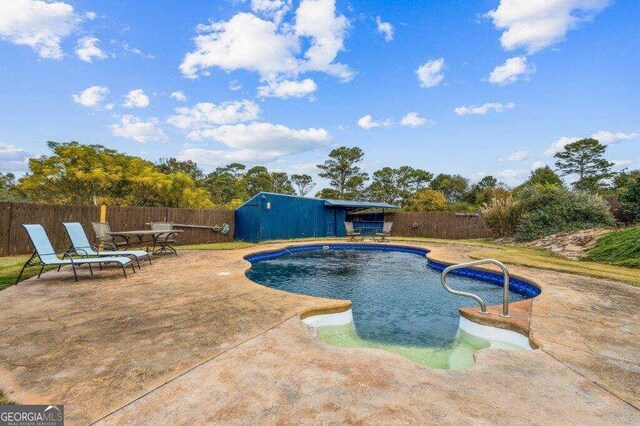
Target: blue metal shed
270,216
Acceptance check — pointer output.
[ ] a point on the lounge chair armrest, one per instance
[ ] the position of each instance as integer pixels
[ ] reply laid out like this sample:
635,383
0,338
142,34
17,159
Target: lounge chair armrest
67,254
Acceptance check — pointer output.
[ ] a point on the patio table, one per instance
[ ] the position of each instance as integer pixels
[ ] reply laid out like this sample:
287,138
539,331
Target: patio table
140,234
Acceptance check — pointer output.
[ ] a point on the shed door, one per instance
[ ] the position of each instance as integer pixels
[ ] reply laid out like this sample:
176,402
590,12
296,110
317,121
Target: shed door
330,222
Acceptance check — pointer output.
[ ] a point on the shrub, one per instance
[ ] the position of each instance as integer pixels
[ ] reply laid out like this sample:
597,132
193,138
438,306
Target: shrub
630,200
549,209
502,216
620,248
426,200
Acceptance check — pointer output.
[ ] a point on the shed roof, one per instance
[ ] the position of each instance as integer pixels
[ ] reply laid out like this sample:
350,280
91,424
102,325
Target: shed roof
359,204
333,203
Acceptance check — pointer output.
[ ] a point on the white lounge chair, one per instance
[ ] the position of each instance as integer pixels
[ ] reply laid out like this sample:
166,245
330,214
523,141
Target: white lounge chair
82,247
351,232
384,233
47,256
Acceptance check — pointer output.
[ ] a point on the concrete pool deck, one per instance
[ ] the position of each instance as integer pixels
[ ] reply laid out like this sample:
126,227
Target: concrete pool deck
178,343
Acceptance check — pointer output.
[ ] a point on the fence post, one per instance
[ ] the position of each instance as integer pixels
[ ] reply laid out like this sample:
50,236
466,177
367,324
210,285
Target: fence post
103,213
8,234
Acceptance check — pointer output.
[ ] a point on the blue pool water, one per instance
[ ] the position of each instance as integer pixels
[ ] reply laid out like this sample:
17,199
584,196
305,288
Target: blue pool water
398,301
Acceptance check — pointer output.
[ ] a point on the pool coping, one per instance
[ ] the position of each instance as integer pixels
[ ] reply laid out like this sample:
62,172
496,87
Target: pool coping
520,311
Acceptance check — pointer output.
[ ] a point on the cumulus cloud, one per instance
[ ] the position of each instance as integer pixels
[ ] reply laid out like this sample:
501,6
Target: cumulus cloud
511,174
367,122
605,137
516,156
12,158
38,24
413,119
431,73
206,115
268,137
272,49
92,97
272,9
537,165
385,28
511,71
179,96
136,99
87,49
535,25
138,129
484,108
90,15
287,89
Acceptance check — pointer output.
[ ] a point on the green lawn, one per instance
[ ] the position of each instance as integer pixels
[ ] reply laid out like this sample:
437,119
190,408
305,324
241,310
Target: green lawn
620,248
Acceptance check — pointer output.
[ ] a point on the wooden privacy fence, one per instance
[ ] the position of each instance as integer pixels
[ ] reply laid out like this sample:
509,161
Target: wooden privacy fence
13,238
437,225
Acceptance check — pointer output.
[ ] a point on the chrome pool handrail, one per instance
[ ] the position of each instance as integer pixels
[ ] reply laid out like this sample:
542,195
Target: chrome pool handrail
483,306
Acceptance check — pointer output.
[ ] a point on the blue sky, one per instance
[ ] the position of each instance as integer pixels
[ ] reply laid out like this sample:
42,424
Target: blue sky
476,88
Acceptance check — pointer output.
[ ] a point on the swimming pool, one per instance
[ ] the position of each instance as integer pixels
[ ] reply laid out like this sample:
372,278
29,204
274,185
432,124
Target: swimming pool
398,303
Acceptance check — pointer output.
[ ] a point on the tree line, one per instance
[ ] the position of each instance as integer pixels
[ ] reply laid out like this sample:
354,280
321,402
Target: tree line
91,174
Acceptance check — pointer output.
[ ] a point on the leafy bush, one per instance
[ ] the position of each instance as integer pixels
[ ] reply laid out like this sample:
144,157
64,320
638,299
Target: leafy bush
550,209
502,216
426,200
630,200
620,248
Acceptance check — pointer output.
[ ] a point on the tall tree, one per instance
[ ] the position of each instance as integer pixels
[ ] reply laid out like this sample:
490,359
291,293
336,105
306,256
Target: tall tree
544,176
8,189
584,158
426,200
92,174
281,184
482,192
258,179
303,182
454,187
395,186
170,165
343,172
226,185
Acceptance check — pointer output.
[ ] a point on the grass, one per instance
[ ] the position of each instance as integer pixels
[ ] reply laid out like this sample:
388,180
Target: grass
621,248
10,268
4,400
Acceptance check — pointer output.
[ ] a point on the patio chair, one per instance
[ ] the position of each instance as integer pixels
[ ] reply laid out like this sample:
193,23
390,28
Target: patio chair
384,233
351,232
102,230
47,256
163,243
82,247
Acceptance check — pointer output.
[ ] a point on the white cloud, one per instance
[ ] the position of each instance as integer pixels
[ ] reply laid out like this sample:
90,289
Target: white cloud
268,138
38,24
234,85
90,15
413,119
605,137
179,96
91,97
207,115
431,73
609,138
272,9
537,165
484,108
269,48
621,164
367,122
138,129
516,156
287,89
136,51
13,158
87,49
385,28
136,99
219,158
511,174
534,25
511,71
